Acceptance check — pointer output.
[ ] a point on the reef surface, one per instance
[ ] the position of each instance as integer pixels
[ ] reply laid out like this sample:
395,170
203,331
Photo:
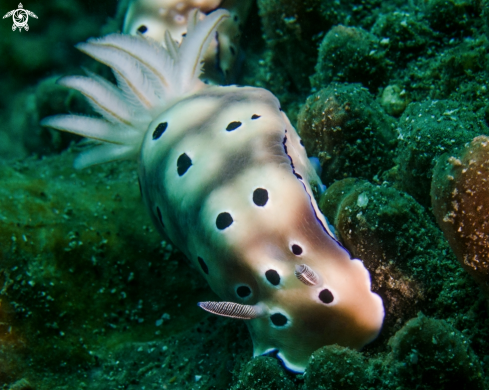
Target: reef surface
392,98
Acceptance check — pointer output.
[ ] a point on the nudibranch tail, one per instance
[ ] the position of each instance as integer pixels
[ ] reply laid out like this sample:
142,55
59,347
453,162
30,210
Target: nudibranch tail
233,310
149,78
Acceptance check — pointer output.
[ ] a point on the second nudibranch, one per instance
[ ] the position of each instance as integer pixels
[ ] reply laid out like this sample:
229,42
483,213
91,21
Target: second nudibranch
152,18
224,175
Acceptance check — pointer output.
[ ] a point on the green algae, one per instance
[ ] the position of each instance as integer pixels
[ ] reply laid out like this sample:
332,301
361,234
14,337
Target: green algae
82,266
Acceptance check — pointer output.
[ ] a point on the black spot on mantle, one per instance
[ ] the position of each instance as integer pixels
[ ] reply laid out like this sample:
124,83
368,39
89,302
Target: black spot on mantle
273,277
224,220
183,164
278,319
243,291
160,129
203,265
326,296
233,126
260,197
296,250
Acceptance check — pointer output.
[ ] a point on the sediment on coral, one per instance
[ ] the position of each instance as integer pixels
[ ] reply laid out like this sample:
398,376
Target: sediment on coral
263,373
427,130
348,131
353,55
334,367
460,198
431,353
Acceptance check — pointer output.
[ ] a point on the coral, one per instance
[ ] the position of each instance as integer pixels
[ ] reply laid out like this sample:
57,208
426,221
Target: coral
334,367
452,17
434,355
403,36
290,38
452,71
427,130
350,54
263,373
292,31
460,199
289,27
348,131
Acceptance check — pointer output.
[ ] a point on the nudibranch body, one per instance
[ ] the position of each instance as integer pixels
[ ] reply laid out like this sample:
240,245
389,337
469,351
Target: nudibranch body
151,18
224,175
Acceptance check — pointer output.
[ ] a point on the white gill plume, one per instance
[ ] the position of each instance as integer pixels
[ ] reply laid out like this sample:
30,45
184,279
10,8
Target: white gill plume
233,310
149,78
306,275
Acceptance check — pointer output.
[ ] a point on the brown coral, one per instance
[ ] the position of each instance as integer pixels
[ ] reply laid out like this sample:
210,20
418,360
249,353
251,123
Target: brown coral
460,199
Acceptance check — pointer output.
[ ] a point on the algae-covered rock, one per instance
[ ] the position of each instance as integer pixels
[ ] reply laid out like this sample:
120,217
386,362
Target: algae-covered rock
403,36
427,130
348,131
293,29
460,198
452,17
334,367
434,355
263,373
288,27
350,54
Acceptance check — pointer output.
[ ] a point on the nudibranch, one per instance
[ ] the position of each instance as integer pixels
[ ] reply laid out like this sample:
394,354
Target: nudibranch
224,175
151,18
